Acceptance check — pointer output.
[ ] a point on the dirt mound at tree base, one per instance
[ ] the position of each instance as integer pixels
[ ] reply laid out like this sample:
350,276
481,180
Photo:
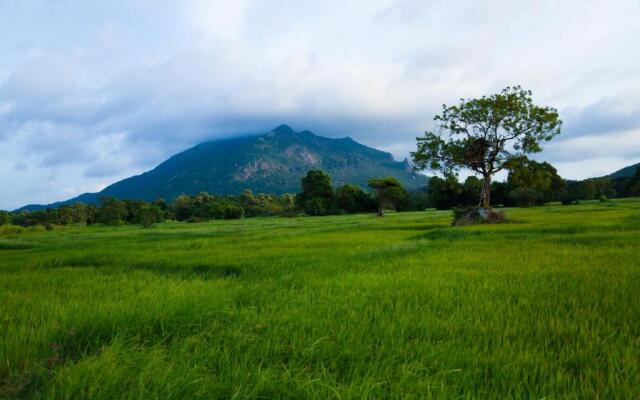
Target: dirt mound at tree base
477,215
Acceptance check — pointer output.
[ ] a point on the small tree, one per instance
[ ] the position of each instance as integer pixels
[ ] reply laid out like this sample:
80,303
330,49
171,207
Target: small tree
389,192
485,135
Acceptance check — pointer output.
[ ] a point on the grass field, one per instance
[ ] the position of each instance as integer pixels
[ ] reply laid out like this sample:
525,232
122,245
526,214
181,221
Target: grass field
547,306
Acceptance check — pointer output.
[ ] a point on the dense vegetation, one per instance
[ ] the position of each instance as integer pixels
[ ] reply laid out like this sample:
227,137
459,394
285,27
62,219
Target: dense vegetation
529,183
332,307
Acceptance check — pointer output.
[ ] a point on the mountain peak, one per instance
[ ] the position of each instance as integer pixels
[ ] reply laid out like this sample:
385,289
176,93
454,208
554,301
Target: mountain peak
271,163
283,130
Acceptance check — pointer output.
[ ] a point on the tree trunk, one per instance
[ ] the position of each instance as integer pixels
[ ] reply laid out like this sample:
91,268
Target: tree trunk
485,201
380,210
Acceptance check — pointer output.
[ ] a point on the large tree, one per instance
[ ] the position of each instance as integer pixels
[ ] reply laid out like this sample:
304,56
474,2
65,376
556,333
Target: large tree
317,194
486,135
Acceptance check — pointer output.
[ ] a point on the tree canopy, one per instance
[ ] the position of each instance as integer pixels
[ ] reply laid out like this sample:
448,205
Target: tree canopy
486,135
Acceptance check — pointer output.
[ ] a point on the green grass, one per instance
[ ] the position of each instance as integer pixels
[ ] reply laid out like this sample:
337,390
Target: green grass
547,306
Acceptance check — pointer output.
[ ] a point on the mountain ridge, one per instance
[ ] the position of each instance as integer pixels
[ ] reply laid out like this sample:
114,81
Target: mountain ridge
273,162
624,172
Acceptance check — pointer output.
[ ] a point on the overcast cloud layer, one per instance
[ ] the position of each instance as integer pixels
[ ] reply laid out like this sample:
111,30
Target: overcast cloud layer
95,91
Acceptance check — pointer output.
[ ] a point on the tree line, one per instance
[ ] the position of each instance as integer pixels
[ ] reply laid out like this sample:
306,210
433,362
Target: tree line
529,183
318,197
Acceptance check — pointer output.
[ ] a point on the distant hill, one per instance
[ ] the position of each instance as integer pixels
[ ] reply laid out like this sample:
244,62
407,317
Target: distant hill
625,172
271,163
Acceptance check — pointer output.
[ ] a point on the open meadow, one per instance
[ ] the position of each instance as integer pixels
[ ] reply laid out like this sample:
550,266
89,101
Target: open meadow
545,306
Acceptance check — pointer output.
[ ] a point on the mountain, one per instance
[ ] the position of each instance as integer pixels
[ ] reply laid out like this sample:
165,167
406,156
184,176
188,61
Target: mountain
271,163
625,172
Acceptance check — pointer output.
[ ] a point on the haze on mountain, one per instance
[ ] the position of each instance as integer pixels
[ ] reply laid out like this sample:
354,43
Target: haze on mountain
273,162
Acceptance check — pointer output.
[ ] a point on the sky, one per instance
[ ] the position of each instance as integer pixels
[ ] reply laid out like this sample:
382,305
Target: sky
92,91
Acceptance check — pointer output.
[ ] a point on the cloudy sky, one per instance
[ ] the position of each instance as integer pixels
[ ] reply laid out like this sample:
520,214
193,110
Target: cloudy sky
95,91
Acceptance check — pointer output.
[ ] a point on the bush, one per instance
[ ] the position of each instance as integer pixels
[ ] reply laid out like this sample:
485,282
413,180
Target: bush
602,198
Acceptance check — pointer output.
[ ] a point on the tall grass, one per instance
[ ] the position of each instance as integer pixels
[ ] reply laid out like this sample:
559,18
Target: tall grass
330,307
